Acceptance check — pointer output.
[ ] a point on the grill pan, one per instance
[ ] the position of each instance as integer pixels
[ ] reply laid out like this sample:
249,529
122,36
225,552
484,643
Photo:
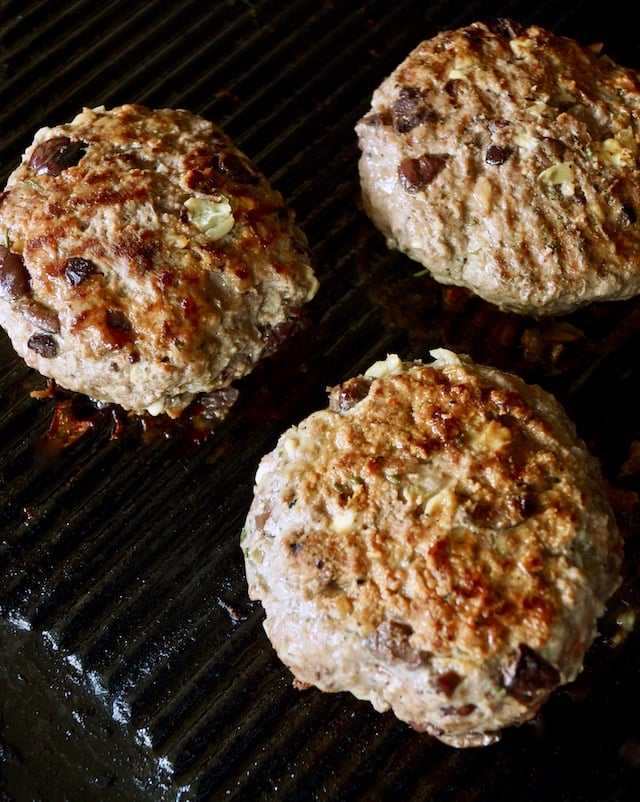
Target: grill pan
133,665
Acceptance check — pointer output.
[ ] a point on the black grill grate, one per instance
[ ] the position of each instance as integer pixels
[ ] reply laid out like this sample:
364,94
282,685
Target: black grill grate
122,590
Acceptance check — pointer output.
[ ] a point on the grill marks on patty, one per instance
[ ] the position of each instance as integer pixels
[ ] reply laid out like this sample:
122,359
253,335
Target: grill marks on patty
504,159
438,541
165,253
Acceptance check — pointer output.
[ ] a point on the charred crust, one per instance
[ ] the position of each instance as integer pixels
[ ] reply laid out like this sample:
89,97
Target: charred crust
503,512
629,214
453,87
205,181
138,249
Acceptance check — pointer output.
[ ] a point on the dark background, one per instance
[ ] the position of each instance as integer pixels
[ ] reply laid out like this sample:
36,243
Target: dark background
132,664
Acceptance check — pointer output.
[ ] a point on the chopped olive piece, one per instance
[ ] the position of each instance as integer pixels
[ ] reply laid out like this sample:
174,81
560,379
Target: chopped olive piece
349,393
116,319
448,682
496,155
217,403
532,674
390,641
14,277
410,110
40,315
78,270
43,344
55,155
417,174
236,168
382,117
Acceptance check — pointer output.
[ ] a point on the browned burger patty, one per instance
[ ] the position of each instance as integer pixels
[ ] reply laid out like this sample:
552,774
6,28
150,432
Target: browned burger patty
505,159
144,259
438,541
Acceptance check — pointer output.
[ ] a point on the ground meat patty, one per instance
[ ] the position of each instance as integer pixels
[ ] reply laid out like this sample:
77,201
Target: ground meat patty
144,259
505,160
437,542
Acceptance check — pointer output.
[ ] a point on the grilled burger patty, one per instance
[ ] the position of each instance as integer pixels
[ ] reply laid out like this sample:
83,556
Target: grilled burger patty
505,159
438,542
144,259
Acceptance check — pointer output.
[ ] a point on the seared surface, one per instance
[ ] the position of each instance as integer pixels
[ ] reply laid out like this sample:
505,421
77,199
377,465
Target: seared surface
505,159
439,542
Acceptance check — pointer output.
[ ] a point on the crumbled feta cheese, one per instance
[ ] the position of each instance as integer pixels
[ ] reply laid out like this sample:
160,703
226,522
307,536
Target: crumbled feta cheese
482,193
445,357
560,174
343,521
612,153
391,366
212,216
463,65
491,437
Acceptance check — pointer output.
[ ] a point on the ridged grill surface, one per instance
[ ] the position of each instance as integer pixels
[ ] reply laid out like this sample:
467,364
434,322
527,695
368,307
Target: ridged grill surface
120,566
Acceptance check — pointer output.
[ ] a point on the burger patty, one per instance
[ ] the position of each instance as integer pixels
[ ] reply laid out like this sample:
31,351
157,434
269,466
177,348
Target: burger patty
438,542
145,260
505,159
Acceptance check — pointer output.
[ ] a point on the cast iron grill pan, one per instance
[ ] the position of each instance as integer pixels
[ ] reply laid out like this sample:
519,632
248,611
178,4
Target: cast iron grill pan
133,664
